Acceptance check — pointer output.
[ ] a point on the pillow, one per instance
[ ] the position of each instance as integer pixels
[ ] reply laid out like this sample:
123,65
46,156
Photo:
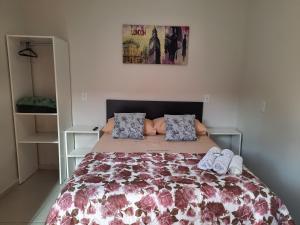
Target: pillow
180,128
201,129
129,125
109,126
160,126
149,129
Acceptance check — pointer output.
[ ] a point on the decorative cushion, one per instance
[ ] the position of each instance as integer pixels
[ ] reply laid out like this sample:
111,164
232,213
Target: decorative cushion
129,125
160,126
201,129
109,126
149,129
180,128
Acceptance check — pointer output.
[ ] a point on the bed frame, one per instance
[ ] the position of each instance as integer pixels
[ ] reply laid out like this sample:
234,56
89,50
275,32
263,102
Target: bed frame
153,109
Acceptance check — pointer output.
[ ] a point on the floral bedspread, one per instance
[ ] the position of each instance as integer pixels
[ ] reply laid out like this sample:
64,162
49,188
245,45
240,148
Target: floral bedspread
162,189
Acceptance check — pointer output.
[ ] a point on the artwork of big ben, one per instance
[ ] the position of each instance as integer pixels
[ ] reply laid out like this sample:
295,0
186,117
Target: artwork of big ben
149,44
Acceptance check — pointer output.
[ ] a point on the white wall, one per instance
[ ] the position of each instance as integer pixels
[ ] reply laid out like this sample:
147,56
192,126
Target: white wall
10,22
93,29
271,139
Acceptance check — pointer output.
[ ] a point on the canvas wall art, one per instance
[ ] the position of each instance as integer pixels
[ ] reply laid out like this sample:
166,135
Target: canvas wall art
149,44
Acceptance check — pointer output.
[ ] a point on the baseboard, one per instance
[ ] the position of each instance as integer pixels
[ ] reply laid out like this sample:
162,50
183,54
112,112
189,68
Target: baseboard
9,188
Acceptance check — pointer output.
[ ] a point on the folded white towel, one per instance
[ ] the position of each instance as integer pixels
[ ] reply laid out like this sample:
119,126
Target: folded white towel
227,152
207,162
236,165
222,162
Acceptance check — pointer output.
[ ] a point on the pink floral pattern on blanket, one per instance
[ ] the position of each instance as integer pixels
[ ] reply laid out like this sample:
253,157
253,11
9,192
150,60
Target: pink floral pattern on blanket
162,189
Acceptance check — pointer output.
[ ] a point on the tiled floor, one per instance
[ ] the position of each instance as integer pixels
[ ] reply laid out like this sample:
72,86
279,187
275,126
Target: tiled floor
30,202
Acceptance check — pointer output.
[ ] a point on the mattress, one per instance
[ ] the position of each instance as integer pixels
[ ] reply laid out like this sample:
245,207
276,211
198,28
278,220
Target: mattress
162,189
155,143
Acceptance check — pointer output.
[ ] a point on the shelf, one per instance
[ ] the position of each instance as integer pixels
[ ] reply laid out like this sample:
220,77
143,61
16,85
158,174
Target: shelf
223,131
40,138
79,152
36,114
83,129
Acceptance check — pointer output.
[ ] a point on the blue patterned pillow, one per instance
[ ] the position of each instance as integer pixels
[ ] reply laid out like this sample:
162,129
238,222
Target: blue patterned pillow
129,125
180,128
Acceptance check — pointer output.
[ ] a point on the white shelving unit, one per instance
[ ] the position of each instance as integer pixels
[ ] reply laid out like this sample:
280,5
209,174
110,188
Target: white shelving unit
74,151
78,152
232,133
35,114
39,136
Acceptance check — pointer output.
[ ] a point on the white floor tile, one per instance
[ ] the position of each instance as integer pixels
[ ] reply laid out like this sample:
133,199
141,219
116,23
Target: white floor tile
30,202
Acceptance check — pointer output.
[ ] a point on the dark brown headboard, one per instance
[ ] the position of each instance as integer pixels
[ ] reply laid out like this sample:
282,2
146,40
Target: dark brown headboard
153,109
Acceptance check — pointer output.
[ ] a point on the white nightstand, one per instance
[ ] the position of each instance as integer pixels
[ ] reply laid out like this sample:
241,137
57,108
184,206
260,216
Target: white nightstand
232,132
74,151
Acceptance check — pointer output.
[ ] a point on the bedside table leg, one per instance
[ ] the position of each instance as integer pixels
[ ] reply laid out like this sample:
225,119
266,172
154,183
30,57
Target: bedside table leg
66,151
240,144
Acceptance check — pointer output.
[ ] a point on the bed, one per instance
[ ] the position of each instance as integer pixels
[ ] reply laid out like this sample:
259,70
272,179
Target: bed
153,182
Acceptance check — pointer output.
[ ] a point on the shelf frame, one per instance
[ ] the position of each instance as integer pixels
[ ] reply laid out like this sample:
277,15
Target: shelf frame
35,114
53,64
227,131
39,138
77,153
